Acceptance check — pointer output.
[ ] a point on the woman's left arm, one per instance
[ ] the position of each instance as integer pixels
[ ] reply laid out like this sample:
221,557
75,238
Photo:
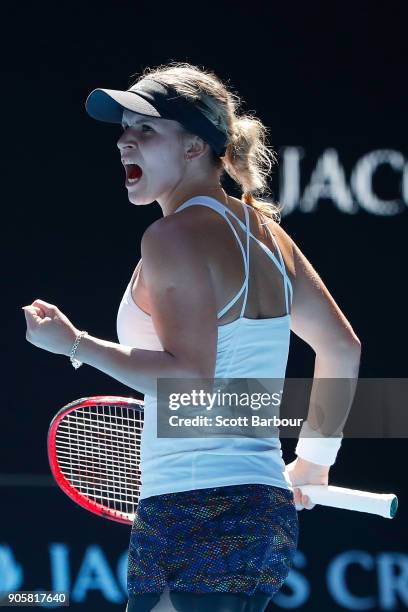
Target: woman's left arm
183,312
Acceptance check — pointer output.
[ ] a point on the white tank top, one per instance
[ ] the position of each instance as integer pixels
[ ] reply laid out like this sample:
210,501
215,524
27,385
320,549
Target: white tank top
246,348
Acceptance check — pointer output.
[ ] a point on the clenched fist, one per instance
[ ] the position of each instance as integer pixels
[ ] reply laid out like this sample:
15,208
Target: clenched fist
48,328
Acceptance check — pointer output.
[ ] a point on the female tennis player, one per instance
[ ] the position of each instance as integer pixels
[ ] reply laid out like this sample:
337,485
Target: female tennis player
218,289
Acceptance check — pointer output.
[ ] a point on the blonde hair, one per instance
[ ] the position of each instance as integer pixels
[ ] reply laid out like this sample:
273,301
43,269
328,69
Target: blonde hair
248,159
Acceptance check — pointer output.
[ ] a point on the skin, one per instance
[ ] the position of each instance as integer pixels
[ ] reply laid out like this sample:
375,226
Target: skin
191,267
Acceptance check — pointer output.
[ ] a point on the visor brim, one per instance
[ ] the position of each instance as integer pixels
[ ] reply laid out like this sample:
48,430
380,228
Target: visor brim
108,105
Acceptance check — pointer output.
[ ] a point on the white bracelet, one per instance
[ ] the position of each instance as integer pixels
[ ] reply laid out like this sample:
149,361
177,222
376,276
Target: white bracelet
316,447
75,362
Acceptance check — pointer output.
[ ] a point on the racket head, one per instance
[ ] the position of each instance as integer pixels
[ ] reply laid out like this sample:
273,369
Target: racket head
82,454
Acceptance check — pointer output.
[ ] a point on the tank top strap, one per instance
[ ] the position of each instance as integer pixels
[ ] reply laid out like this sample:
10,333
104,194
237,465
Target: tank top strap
280,264
224,211
206,200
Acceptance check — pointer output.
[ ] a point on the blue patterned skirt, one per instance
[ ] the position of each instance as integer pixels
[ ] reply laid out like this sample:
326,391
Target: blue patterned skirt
230,539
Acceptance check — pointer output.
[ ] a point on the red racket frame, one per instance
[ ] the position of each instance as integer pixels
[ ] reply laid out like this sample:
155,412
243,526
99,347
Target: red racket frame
61,480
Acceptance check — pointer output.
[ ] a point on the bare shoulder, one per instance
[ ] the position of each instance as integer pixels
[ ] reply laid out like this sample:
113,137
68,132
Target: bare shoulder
184,233
160,227
173,232
171,253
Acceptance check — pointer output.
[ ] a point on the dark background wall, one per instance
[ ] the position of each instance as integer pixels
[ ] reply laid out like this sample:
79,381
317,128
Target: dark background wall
329,80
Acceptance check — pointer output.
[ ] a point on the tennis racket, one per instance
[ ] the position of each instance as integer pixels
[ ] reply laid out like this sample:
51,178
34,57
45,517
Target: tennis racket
94,454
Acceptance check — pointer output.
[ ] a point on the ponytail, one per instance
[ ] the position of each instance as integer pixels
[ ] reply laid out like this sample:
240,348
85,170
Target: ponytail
249,160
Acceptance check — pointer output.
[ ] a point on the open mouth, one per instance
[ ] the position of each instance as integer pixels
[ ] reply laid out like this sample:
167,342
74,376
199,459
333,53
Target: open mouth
133,173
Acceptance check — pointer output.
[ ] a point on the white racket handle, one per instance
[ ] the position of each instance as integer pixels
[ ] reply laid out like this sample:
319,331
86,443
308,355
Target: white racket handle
383,504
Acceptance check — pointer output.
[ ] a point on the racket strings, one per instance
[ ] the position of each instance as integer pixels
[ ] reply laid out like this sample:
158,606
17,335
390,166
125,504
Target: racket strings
103,463
65,443
87,430
98,450
100,473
